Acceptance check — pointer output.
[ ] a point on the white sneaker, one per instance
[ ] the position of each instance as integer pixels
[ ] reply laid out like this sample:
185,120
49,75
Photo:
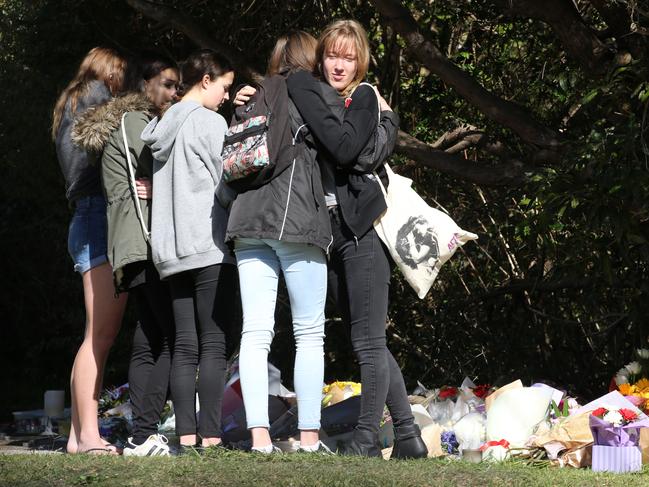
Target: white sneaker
319,448
266,450
155,445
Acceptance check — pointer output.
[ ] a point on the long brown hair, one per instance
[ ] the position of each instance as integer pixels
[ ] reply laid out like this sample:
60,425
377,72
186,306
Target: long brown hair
336,37
293,51
100,64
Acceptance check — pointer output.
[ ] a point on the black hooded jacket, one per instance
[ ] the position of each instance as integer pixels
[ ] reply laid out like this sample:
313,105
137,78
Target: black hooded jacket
291,206
348,139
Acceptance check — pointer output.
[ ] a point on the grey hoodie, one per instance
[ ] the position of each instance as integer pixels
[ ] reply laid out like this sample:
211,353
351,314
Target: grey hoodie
187,222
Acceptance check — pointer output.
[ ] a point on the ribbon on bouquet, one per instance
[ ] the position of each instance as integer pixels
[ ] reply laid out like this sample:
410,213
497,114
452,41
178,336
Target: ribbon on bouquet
489,444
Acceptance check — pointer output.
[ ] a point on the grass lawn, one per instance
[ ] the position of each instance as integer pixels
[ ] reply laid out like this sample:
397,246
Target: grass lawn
236,468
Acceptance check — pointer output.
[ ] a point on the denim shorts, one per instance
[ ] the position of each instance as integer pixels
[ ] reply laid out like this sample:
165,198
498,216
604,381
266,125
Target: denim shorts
87,233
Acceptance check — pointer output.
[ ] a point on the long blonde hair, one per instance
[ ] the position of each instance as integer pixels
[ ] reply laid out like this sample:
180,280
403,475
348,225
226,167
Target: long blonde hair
292,51
336,37
100,64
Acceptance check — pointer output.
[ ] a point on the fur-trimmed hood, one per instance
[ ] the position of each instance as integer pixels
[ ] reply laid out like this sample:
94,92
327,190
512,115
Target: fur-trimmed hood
92,129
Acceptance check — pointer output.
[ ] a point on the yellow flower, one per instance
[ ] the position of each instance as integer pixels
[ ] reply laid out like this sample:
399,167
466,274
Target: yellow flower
627,389
642,385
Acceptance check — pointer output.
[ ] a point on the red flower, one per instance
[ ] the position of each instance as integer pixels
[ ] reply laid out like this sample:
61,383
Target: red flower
599,412
482,390
628,415
348,101
447,392
612,386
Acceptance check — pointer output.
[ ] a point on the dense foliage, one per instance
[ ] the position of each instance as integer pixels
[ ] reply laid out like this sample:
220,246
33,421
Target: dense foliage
556,287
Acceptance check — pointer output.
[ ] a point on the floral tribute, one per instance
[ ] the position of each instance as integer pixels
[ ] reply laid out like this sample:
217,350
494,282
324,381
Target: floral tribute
632,380
616,417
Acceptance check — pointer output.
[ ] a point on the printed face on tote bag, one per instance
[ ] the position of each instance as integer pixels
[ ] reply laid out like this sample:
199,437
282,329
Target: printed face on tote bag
417,243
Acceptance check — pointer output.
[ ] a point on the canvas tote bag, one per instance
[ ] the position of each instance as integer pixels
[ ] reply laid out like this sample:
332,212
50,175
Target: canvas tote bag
420,238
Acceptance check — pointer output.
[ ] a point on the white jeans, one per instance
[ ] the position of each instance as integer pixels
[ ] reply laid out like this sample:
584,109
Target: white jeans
305,271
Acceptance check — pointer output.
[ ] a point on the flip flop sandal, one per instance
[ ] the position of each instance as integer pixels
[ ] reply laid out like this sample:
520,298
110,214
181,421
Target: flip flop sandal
90,451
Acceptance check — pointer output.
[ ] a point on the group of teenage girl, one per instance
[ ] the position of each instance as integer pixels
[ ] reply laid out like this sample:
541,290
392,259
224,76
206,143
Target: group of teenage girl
139,142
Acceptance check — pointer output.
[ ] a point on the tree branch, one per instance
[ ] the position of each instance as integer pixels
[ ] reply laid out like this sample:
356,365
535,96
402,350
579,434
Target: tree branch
578,39
618,18
502,111
520,285
511,172
188,26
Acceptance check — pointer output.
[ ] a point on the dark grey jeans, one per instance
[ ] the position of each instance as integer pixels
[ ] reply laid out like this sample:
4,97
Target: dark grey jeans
359,281
148,373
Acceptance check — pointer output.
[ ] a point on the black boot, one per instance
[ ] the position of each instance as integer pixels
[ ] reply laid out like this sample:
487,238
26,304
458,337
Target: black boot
408,442
363,444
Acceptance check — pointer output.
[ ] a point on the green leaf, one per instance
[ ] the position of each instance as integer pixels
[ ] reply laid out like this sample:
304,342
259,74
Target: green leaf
555,408
590,96
565,408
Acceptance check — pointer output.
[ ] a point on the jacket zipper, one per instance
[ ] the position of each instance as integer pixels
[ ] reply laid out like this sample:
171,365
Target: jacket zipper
288,199
290,185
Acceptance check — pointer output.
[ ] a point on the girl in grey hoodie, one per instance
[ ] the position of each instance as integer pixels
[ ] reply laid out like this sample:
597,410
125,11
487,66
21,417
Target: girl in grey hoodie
187,241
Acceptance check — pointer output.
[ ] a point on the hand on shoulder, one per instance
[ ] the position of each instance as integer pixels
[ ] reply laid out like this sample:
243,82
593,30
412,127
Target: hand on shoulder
367,91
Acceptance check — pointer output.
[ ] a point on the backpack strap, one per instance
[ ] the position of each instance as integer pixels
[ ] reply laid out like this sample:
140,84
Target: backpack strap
131,181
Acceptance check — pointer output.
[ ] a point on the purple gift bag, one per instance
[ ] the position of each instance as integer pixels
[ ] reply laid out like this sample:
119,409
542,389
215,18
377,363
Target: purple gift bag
616,447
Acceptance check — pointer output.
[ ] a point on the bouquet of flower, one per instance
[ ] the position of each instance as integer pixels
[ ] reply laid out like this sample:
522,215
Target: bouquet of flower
616,417
631,380
112,398
562,410
449,443
616,434
339,391
447,392
616,426
482,390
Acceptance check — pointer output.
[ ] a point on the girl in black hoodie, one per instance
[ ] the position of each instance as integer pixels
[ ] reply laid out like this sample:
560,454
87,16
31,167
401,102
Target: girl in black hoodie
344,122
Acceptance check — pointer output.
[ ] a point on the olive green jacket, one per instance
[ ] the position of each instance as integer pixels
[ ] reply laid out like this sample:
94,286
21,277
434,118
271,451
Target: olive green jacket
100,131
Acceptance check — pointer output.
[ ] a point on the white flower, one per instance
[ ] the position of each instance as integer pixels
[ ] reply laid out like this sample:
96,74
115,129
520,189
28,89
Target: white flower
634,368
642,353
614,417
622,377
572,403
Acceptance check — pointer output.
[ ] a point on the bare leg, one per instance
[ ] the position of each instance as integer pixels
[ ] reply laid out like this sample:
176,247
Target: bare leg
260,437
211,441
187,440
308,437
104,314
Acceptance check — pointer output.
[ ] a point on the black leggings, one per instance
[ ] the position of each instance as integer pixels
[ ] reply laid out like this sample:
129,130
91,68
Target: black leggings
203,300
148,373
359,281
